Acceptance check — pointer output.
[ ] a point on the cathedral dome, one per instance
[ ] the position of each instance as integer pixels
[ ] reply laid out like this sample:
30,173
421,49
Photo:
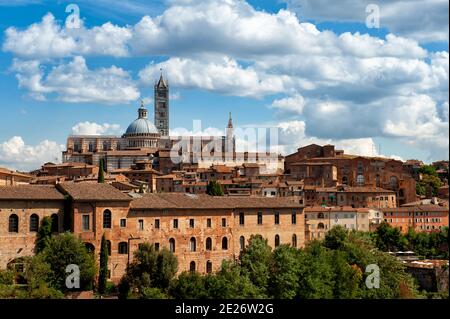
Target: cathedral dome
141,126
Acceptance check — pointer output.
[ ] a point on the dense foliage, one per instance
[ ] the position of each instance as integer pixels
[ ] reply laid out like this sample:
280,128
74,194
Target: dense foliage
332,268
101,172
213,188
103,274
429,183
424,244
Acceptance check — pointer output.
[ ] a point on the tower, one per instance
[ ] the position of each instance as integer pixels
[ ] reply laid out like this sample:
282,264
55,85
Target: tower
230,141
162,106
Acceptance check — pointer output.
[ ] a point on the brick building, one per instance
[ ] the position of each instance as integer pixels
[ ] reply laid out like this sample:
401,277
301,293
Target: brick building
201,230
326,167
11,178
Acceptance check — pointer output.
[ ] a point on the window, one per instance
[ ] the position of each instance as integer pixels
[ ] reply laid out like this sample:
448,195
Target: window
85,222
172,245
208,267
260,218
208,223
107,219
277,218
193,244
191,223
208,243
360,180
175,223
123,248
241,218
320,215
123,222
13,226
294,218
55,223
241,243
157,246
277,240
157,223
294,240
192,266
320,226
224,222
224,243
108,247
34,223
141,224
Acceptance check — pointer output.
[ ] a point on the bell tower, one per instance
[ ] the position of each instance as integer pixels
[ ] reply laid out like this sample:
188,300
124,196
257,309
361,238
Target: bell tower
162,106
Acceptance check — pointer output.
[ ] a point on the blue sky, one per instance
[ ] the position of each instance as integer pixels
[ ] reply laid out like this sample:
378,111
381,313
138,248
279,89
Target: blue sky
312,69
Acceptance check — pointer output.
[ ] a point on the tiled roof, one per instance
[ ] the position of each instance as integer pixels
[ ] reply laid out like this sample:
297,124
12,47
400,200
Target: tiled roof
93,192
9,172
30,192
203,201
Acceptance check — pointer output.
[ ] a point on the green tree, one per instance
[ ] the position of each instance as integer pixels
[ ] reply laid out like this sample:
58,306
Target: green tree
231,283
255,261
44,234
336,237
284,273
101,172
213,188
189,285
150,268
63,250
428,170
389,238
431,182
103,274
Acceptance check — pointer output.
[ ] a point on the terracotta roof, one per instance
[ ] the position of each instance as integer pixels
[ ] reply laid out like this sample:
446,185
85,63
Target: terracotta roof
93,192
30,192
9,172
203,201
310,209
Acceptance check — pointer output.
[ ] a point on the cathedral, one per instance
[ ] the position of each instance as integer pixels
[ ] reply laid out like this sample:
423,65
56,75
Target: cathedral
152,143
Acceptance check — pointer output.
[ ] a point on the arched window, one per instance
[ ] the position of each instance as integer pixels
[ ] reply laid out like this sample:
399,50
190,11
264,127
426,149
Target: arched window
208,243
224,243
34,223
107,219
89,247
108,247
242,242
345,180
277,240
208,267
192,266
320,216
394,182
193,244
320,226
172,245
360,180
55,223
123,248
294,240
13,226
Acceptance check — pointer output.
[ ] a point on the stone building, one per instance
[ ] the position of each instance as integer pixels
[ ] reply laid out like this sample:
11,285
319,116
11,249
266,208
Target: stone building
201,230
319,220
326,167
11,178
22,208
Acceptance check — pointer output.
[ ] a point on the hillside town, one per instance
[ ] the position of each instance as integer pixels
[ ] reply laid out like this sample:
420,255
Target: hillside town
129,190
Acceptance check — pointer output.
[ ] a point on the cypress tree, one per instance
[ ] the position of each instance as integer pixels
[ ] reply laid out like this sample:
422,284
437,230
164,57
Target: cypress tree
44,234
103,274
101,172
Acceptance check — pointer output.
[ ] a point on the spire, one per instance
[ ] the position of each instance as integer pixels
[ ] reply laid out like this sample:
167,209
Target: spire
162,81
230,122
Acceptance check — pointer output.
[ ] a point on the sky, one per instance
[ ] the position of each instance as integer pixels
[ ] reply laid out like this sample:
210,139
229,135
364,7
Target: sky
371,80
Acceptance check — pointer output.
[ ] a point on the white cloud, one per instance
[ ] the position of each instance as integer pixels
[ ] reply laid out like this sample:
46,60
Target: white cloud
91,128
423,20
47,39
291,105
15,154
75,82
